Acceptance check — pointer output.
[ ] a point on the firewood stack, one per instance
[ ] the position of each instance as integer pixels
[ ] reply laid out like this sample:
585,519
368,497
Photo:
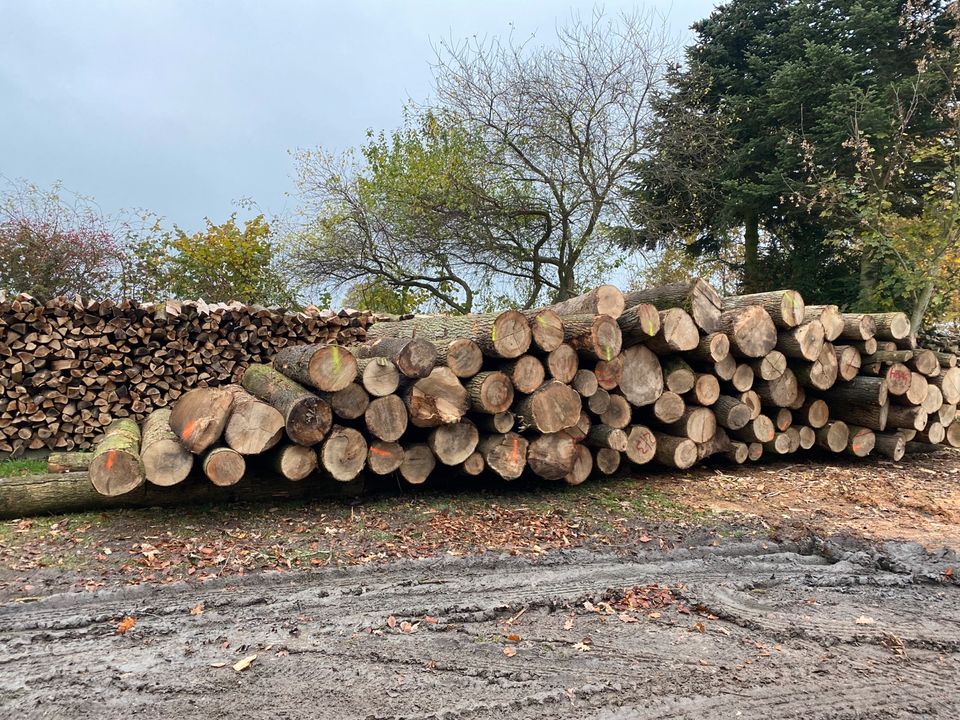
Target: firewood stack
69,367
669,375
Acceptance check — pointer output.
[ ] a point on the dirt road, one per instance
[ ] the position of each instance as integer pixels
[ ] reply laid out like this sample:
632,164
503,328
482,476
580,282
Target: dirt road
753,630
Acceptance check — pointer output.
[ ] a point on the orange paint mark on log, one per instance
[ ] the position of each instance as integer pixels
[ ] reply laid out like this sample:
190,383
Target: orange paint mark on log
515,454
381,452
111,456
188,429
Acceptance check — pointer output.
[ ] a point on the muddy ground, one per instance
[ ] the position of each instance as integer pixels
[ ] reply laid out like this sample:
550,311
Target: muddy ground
771,591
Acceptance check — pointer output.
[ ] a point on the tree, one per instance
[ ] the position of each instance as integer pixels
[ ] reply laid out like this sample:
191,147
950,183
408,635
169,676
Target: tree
510,185
53,243
221,263
902,200
762,76
380,297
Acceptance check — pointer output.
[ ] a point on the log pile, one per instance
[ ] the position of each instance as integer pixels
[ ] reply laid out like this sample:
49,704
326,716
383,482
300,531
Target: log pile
605,381
69,367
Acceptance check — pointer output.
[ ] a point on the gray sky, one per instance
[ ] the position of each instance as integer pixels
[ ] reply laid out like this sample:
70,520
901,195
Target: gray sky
183,106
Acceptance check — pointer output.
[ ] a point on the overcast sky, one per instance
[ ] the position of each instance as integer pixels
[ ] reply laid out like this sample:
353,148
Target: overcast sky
183,107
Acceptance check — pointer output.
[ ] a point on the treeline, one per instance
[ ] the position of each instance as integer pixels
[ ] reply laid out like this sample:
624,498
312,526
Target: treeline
813,144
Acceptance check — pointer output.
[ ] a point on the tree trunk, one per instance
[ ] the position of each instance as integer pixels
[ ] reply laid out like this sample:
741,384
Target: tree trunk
418,463
115,468
677,333
829,317
861,442
598,336
750,330
224,466
696,297
675,452
606,461
730,413
639,322
165,460
582,466
64,462
199,417
546,329
348,403
602,300
771,366
462,355
804,342
678,376
711,349
414,357
669,407
503,336
585,383
325,367
307,418
618,413
785,307
697,423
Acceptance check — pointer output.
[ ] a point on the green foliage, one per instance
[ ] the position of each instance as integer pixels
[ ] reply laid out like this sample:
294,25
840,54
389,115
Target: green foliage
774,89
379,297
218,264
20,467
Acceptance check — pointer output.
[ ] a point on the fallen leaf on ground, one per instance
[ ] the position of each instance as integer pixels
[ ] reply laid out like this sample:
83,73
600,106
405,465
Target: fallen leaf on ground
197,609
406,627
391,622
864,620
583,647
218,664
513,638
245,663
509,651
568,624
126,624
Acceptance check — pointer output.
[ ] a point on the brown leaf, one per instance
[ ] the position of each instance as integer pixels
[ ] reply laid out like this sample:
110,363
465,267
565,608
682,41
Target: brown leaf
218,664
513,638
391,622
699,627
406,627
430,620
645,538
509,651
583,647
864,620
245,663
198,609
568,623
624,617
126,624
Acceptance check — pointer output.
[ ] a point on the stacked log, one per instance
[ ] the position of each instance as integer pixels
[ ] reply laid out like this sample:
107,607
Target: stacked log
69,367
603,382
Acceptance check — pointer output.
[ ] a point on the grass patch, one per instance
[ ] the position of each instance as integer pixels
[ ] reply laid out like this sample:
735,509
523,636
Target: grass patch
18,468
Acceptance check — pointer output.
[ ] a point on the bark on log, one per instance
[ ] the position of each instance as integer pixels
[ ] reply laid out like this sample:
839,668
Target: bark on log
858,327
697,423
453,444
549,409
199,417
785,307
599,402
933,434
675,452
505,454
711,348
780,445
504,336
344,453
638,323
871,416
602,300
224,466
597,336
115,468
860,390
739,452
491,392
719,443
500,423
891,445
696,297
605,436
752,400
907,416
891,326
307,418
413,357
437,399
803,342
325,367
384,458
165,460
780,392
252,428
750,331
759,430
731,413
64,462
642,380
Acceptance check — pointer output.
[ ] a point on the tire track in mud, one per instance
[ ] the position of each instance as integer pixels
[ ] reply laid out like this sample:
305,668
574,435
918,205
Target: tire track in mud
325,651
